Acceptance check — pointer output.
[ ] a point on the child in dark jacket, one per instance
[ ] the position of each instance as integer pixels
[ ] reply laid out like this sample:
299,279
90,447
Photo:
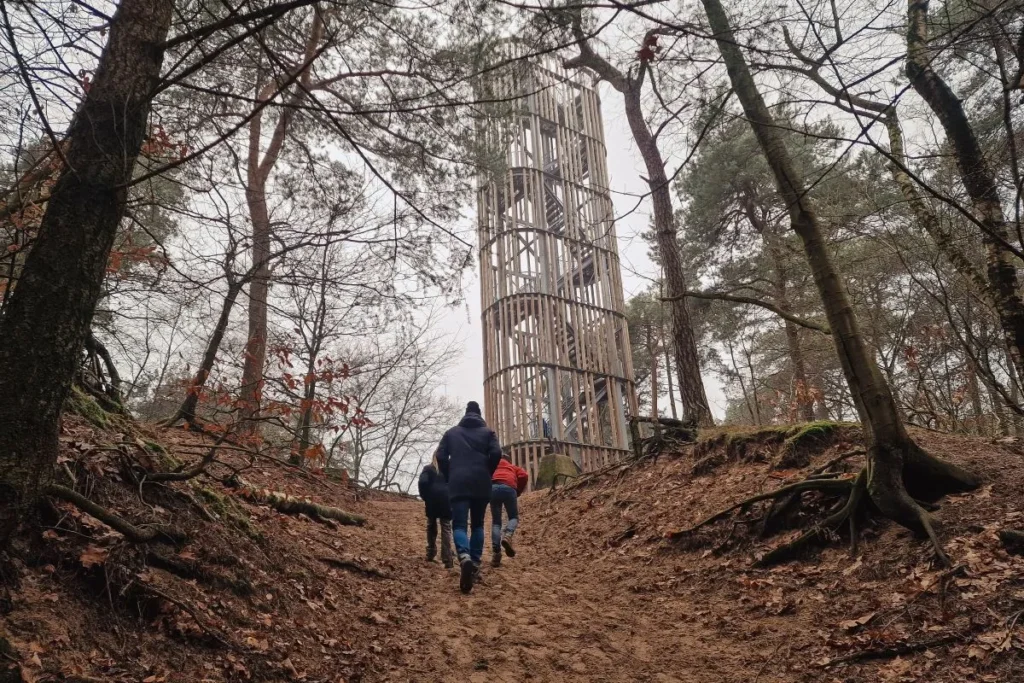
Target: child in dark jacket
507,483
434,492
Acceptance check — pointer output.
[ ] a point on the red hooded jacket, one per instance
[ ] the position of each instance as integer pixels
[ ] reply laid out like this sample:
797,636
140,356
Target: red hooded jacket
510,475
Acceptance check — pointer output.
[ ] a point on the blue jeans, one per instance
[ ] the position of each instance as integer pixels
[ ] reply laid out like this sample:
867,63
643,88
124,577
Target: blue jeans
503,496
473,511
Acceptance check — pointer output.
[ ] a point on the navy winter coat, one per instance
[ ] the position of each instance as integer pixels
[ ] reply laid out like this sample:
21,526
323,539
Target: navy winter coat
434,492
467,457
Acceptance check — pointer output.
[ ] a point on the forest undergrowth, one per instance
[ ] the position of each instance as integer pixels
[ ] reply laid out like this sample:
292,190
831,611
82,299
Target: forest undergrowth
249,590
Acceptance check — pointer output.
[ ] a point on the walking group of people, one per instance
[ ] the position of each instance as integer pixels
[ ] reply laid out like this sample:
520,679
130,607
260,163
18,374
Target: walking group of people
470,474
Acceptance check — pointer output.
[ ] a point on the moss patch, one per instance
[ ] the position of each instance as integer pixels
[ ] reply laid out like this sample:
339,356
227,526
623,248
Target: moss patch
85,405
802,440
786,446
228,509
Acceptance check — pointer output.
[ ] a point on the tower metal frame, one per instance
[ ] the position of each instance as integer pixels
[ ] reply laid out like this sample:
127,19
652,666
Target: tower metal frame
557,363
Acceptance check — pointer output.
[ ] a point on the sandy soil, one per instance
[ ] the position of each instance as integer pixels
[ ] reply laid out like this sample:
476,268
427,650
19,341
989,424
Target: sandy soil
551,615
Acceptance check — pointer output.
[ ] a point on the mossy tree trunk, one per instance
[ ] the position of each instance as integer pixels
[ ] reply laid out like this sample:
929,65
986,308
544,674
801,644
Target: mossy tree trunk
898,470
49,312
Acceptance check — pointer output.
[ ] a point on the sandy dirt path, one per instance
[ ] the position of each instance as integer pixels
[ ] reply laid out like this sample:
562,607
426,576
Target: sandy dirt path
548,616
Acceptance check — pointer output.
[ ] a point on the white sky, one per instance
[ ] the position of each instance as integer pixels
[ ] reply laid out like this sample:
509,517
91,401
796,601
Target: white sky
466,379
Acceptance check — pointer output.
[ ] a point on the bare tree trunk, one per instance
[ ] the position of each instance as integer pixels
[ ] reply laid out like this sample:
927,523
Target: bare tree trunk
743,384
977,177
892,454
668,379
258,170
259,288
306,413
50,311
974,392
691,386
652,351
187,410
798,369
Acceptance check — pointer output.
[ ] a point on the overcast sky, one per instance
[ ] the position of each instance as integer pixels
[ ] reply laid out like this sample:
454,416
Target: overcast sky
466,379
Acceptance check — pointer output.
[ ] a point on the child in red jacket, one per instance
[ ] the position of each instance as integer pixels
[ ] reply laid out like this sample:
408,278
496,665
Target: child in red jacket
507,482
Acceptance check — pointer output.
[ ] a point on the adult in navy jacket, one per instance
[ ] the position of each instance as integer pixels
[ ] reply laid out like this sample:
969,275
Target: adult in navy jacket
467,457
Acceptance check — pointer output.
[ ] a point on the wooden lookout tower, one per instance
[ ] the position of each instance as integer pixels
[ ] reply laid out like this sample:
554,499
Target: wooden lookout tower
557,365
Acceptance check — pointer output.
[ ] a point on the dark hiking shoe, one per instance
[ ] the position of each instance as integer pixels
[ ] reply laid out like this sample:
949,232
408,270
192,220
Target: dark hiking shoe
506,543
449,564
466,576
431,553
496,559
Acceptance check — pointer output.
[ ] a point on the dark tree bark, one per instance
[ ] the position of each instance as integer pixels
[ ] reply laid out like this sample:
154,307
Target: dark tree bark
187,410
798,368
49,312
977,178
691,386
899,470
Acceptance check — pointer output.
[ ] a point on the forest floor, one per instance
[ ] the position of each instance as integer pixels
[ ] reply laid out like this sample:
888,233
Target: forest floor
596,592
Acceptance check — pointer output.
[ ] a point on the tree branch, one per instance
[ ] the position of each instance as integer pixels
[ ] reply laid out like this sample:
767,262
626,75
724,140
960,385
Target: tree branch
767,305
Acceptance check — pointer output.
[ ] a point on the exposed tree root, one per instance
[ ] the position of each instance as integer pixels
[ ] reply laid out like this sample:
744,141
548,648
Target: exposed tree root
897,651
1012,540
194,570
353,566
841,486
822,531
192,472
836,460
290,505
901,482
215,634
151,533
670,436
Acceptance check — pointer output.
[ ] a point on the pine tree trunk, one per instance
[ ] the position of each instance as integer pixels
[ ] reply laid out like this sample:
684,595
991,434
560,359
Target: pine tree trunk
691,386
259,289
977,178
49,312
892,454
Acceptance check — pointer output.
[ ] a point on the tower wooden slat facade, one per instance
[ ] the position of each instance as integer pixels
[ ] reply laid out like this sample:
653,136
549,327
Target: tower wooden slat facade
557,365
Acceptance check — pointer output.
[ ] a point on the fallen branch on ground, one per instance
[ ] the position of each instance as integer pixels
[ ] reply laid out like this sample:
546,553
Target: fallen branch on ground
154,532
290,505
